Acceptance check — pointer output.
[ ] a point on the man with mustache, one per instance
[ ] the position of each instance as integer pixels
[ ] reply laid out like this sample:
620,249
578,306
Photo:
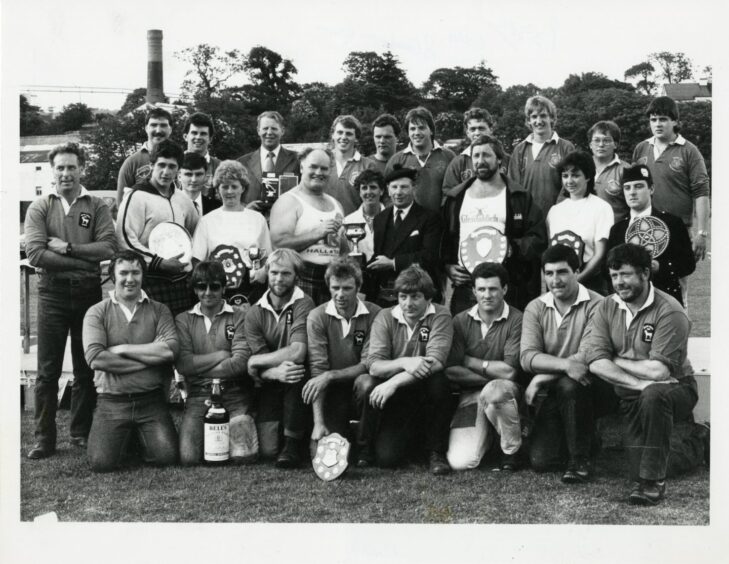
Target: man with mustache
565,397
151,202
490,199
345,133
276,333
309,221
136,168
638,343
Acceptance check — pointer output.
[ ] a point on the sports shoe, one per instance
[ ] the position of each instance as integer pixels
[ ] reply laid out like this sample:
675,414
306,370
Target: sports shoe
290,455
438,464
81,442
510,462
649,492
577,473
40,450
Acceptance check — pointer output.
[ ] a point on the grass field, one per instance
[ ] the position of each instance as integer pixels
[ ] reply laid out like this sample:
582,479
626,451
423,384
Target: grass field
261,493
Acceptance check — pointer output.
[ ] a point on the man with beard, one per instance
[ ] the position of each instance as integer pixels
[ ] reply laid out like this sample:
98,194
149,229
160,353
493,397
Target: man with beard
638,343
385,131
309,221
136,168
489,199
339,336
346,132
271,157
198,132
276,333
425,155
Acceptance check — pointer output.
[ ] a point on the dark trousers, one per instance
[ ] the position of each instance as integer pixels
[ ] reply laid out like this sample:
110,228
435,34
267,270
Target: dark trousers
564,422
339,408
119,416
462,299
279,404
60,310
419,408
650,419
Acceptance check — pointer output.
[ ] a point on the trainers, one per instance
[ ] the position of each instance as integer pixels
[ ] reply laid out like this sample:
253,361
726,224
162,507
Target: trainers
438,464
40,451
290,455
650,492
577,473
510,462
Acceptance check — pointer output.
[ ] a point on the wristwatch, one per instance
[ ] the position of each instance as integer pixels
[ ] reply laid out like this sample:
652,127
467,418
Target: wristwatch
702,233
68,248
484,366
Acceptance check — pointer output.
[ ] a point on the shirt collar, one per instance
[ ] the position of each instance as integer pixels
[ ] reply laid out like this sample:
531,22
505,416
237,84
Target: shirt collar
648,302
467,151
143,298
436,146
473,312
397,313
554,138
405,211
644,213
679,140
227,308
265,304
145,146
331,309
82,194
583,295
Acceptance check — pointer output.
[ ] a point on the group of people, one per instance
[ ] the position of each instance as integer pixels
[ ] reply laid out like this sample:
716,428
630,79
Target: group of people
307,338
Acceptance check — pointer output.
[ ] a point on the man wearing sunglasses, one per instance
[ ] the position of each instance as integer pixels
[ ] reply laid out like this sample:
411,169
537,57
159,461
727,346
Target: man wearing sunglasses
213,345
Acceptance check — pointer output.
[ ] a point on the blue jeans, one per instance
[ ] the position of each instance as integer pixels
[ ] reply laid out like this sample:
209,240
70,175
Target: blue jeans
236,399
60,310
117,416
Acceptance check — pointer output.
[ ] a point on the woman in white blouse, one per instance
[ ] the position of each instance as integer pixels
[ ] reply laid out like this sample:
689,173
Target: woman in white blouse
582,220
229,232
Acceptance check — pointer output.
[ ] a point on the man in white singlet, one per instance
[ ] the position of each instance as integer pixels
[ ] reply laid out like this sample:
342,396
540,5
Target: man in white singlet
309,221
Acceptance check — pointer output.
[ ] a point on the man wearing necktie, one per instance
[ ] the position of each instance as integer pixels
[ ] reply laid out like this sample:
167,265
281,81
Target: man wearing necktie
405,233
192,178
271,157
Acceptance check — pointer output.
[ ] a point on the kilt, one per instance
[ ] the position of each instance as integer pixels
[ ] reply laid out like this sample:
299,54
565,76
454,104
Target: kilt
311,281
174,293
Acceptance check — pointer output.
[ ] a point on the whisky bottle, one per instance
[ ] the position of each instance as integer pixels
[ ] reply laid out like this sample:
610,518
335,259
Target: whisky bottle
216,424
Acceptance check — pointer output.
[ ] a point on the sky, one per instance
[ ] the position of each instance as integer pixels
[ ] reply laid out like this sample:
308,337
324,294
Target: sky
103,44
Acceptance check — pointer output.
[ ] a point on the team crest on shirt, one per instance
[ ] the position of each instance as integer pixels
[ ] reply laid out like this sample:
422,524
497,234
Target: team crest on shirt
642,160
237,300
676,164
466,174
359,337
648,329
353,176
289,317
84,220
229,332
613,187
424,334
554,159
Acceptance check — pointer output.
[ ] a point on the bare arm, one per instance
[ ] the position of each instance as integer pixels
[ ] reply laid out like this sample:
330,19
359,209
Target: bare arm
284,216
653,370
464,377
613,374
295,352
595,263
495,369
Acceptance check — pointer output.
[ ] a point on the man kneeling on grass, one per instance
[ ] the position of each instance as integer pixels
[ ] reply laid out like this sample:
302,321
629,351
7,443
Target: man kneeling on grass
406,391
638,342
130,342
484,363
213,345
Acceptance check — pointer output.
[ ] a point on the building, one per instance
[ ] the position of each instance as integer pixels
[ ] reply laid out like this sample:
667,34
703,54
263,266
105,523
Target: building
688,91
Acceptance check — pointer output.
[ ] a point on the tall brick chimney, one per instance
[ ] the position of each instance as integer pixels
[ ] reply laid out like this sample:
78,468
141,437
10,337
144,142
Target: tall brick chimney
155,92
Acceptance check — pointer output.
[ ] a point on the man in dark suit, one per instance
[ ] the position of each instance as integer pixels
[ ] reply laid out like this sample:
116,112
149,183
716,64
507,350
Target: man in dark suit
677,261
198,134
405,233
271,157
192,177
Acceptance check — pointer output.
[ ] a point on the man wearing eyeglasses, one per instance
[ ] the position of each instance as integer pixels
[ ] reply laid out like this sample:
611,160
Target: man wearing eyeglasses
604,138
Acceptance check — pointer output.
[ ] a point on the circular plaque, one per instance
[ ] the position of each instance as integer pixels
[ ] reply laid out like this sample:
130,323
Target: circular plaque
649,232
169,239
485,244
330,460
236,271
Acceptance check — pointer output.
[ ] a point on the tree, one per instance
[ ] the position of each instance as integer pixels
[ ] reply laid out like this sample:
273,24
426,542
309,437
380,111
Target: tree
459,87
272,83
72,118
211,70
31,122
674,67
590,81
644,71
134,100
